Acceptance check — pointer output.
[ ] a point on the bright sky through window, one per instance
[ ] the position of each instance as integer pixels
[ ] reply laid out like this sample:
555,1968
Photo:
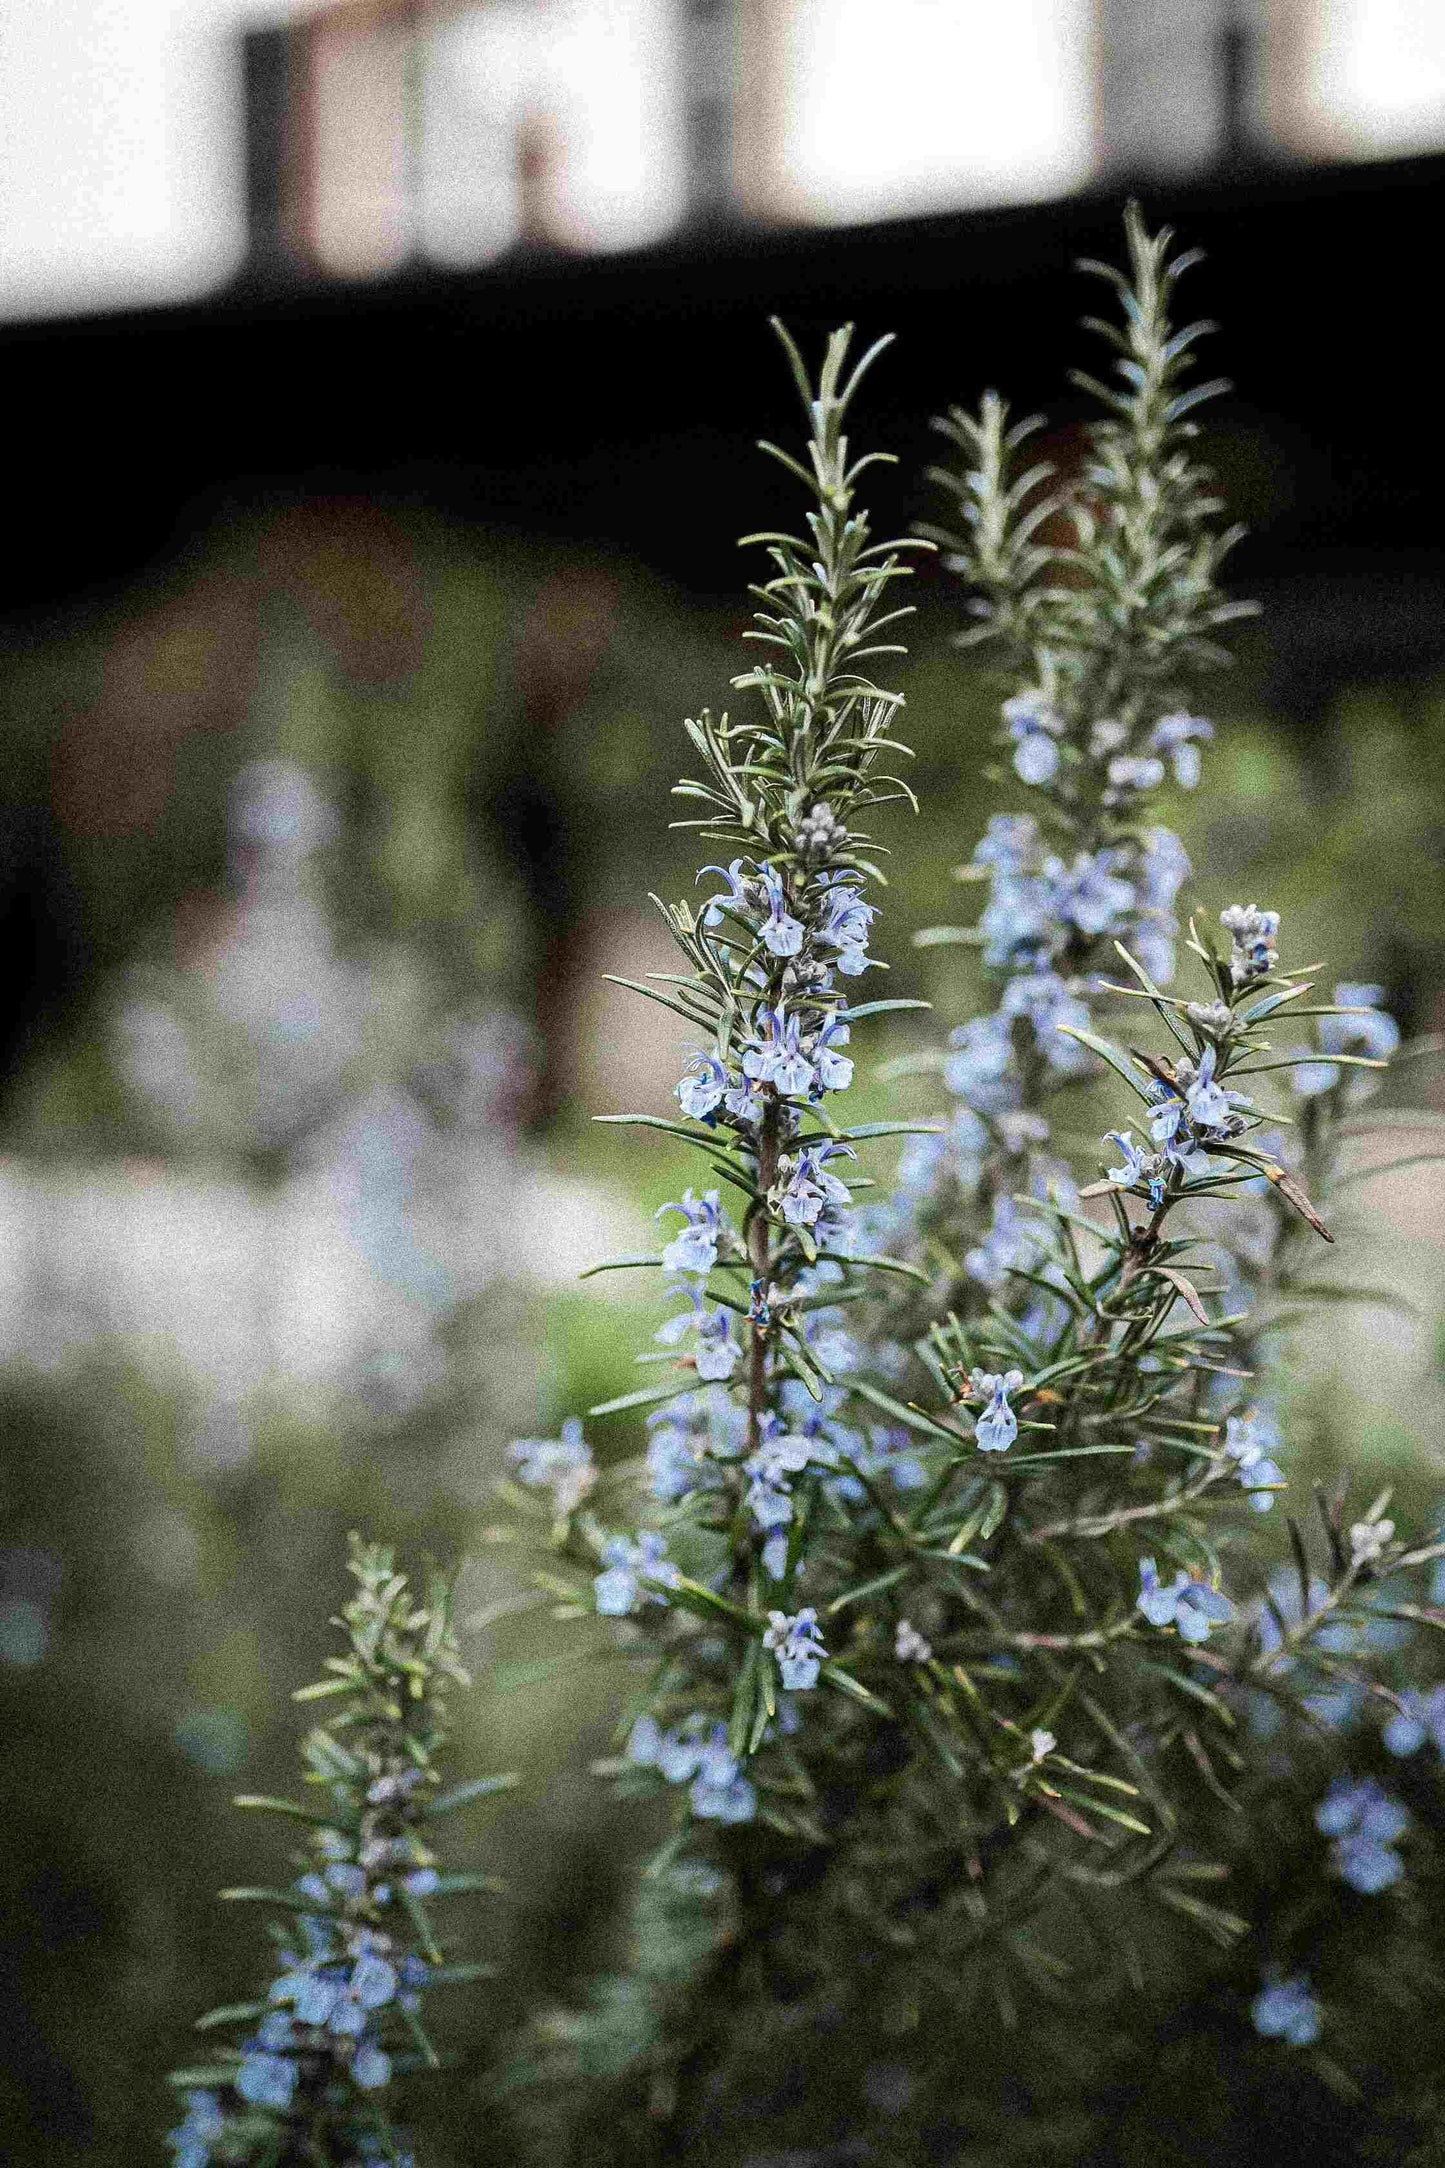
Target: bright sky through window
121,132
897,106
1379,72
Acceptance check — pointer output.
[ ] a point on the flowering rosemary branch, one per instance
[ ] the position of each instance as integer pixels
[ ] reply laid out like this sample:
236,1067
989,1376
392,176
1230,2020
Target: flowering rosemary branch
1098,597
356,1948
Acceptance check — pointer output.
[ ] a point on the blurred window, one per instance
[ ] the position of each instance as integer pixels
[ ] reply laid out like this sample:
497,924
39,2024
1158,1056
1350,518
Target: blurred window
881,108
553,120
455,131
366,134
1356,78
121,128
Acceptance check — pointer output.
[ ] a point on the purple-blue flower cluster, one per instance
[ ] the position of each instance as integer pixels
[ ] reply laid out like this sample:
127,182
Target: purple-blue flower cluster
626,1564
798,1646
1366,1823
1250,1440
1285,2009
1188,1604
998,1426
564,1466
1420,1717
696,1753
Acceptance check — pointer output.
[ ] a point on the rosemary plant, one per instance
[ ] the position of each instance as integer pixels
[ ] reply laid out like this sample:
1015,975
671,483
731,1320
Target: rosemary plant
356,1950
730,1593
993,1520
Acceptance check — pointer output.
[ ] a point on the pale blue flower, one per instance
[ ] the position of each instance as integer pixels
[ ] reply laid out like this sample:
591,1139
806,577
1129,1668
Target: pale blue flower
780,1456
701,1095
1420,1717
1014,1238
1248,1440
782,933
1049,1003
845,922
834,1071
1134,771
1151,943
677,1754
777,1058
1092,893
1163,869
1336,1638
676,1462
619,1588
719,1791
741,893
1286,2010
698,1755
745,1101
346,1878
313,1991
1210,1104
979,1070
810,1187
835,1349
370,2066
1369,1030
717,1353
1134,1164
1036,758
958,1151
1310,1077
798,1646
1178,737
1170,1128
1365,1822
1019,924
1028,714
1009,843
998,1426
1261,1477
890,1453
373,1980
695,1248
204,2123
1190,1605
266,2079
562,1465
644,1741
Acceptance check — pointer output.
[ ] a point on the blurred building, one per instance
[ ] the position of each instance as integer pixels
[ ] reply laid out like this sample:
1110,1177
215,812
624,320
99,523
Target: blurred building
147,153
449,131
